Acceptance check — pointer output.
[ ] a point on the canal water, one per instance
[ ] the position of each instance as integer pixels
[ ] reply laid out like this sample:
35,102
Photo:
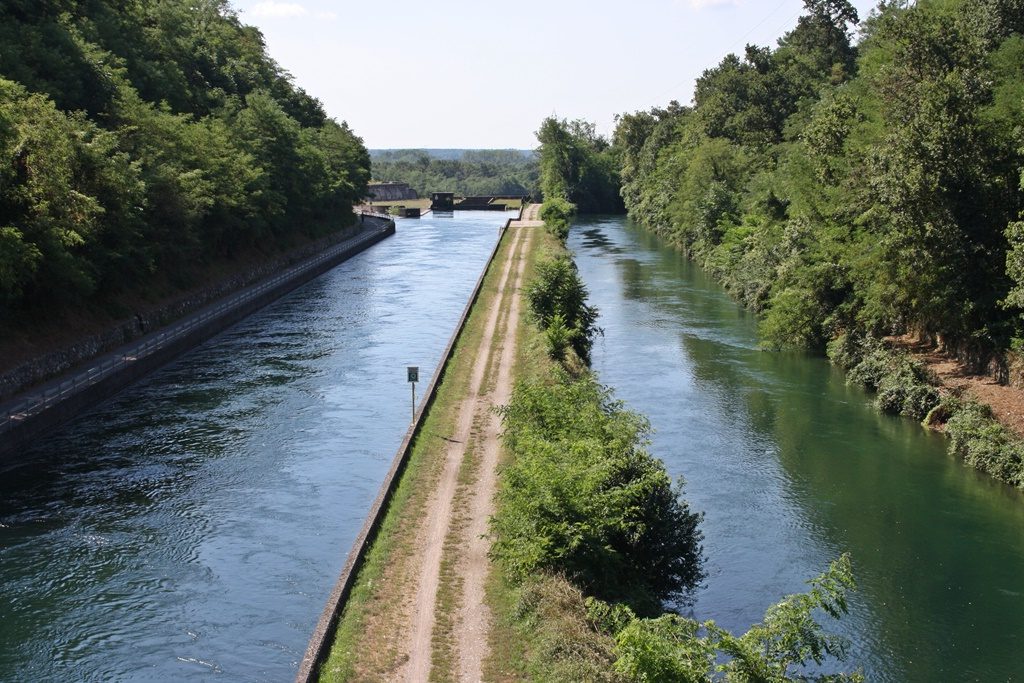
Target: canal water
792,468
193,526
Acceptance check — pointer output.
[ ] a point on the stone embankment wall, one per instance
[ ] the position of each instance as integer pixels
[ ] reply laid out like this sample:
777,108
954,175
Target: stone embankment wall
47,406
50,365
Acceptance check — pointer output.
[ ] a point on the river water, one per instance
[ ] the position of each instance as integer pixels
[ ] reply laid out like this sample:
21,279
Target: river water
193,526
792,468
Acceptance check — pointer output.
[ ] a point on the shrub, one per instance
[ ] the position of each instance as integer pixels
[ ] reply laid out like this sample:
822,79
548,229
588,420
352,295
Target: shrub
664,649
845,351
903,390
672,648
557,214
582,497
904,386
551,615
558,293
984,443
558,337
792,320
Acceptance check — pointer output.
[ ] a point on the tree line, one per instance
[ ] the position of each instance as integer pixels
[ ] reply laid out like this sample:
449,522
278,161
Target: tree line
475,172
865,187
141,141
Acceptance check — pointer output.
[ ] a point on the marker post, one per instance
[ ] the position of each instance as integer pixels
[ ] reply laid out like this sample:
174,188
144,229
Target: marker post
414,376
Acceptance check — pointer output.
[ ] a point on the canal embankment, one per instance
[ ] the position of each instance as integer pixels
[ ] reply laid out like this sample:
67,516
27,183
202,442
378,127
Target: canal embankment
411,603
47,405
244,468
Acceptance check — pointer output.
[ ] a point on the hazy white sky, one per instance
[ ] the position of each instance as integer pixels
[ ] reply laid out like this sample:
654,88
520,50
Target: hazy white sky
456,73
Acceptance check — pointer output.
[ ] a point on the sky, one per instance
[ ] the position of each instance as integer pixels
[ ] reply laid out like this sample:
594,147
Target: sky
483,75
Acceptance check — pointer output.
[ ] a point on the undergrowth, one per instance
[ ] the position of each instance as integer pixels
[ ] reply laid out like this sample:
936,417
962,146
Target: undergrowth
904,386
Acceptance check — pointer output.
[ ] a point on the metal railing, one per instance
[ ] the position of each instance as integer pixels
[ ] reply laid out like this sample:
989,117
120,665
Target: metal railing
35,404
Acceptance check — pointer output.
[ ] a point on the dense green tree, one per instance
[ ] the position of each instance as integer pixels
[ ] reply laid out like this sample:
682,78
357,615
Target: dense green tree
141,140
578,165
870,187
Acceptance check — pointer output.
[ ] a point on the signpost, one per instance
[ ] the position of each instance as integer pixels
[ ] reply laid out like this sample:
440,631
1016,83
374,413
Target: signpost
414,376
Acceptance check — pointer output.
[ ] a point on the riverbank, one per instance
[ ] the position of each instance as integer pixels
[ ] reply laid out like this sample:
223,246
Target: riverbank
48,405
417,604
957,377
45,348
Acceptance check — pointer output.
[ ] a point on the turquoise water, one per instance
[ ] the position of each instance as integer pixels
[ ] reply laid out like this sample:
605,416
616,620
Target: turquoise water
193,526
792,467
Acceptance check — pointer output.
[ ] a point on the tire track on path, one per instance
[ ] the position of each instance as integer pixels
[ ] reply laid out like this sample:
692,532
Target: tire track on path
439,509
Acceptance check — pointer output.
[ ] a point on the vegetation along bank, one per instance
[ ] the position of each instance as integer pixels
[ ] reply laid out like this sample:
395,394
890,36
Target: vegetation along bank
148,147
590,536
849,190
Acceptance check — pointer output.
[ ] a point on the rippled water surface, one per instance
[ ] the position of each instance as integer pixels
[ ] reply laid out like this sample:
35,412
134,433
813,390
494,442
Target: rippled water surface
195,524
792,468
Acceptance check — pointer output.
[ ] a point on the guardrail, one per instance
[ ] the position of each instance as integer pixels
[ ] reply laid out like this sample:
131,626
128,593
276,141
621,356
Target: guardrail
33,405
377,214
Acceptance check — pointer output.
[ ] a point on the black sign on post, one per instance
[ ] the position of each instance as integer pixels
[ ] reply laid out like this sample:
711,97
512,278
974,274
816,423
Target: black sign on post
414,376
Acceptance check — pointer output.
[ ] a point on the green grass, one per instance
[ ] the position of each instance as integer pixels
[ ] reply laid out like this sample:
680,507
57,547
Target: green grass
513,647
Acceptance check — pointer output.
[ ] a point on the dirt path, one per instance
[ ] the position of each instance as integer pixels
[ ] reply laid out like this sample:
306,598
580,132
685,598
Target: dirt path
530,218
495,354
473,621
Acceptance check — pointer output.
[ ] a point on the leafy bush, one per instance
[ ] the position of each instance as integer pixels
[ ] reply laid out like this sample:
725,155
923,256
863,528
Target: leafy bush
904,386
558,337
792,321
552,617
557,213
557,294
670,648
845,350
584,498
664,649
984,443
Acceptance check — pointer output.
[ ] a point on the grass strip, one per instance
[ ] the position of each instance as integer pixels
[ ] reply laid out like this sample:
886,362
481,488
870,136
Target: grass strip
367,644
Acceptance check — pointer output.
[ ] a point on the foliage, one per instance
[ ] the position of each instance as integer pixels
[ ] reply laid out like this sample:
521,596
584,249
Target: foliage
579,166
870,188
670,648
581,496
984,443
557,214
903,385
466,172
141,141
553,617
558,303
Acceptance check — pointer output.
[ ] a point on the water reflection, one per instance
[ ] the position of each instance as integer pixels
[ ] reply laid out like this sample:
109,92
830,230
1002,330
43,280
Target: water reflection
794,467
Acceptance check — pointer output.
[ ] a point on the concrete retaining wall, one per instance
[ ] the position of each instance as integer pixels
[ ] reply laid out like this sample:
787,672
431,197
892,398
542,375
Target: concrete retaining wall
56,402
323,635
31,373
